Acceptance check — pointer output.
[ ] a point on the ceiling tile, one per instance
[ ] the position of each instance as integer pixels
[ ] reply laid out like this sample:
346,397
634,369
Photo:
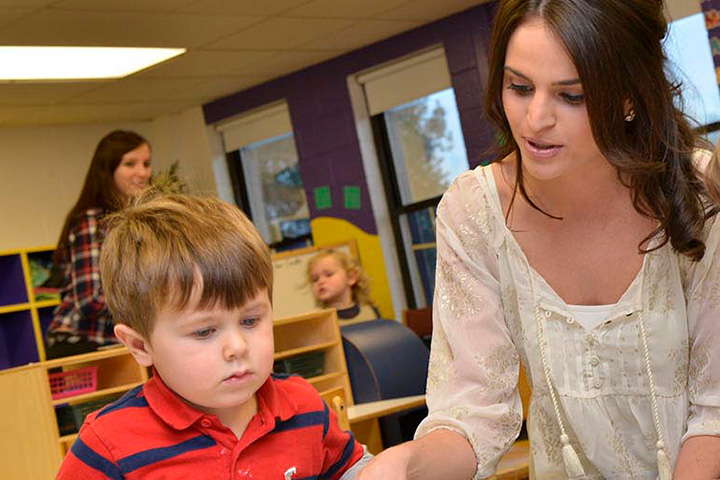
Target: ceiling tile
223,86
288,62
428,10
96,113
123,6
41,94
141,90
204,63
339,9
10,15
281,34
242,7
363,33
25,3
60,27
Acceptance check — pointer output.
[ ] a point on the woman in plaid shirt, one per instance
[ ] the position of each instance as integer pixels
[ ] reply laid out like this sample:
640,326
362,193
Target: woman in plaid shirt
119,170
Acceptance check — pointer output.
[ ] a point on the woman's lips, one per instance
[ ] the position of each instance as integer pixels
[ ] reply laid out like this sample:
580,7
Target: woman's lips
540,149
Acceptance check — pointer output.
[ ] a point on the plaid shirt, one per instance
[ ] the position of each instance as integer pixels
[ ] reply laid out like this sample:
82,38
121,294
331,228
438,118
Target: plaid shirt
82,309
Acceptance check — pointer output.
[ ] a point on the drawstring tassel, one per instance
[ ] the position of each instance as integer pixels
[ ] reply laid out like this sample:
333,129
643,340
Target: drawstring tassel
664,471
573,467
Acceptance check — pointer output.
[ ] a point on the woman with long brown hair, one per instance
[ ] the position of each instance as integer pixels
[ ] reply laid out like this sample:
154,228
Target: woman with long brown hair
587,251
120,169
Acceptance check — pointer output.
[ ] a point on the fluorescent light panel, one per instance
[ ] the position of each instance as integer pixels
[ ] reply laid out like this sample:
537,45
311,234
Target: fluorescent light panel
78,63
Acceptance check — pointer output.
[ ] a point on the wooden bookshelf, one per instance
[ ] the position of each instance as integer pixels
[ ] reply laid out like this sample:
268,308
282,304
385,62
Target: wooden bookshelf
31,446
24,317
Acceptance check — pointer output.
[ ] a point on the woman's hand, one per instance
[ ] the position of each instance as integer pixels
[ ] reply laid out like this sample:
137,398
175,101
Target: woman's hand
391,463
425,459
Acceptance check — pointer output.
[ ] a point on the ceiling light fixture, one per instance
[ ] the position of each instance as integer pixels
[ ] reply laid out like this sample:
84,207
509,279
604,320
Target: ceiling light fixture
78,63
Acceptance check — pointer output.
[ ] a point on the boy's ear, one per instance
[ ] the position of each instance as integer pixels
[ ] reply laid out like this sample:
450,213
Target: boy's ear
136,343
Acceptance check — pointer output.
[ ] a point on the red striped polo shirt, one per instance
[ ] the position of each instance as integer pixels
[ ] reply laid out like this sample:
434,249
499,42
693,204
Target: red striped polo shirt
151,434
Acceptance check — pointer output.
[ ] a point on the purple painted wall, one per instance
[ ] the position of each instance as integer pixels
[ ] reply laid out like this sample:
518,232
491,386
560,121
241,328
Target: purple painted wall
322,117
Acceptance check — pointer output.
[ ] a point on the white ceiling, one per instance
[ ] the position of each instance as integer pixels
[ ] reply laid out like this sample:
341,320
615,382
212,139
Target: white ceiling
232,45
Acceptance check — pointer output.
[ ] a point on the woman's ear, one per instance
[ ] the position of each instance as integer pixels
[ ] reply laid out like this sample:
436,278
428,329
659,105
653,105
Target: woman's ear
136,343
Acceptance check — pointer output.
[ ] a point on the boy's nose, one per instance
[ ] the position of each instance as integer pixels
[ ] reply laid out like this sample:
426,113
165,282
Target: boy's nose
234,345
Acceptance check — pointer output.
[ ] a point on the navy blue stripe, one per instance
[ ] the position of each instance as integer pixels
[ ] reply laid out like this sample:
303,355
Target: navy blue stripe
154,455
334,468
94,460
302,420
326,425
130,399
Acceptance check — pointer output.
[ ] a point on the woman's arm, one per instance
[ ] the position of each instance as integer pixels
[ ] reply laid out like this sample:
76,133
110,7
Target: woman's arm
440,454
699,459
475,412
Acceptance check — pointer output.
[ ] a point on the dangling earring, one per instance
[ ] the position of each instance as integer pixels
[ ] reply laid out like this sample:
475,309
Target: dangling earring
630,116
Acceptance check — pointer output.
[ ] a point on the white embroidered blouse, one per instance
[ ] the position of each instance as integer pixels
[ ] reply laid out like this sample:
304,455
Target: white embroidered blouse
486,300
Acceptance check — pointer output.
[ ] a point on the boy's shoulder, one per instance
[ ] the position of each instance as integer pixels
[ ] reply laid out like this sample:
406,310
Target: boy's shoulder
298,390
133,405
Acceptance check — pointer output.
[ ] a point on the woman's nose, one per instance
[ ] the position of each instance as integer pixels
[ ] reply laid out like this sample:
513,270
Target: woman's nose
540,113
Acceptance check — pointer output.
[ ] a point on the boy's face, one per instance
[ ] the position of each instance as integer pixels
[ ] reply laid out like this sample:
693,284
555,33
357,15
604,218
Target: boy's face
215,359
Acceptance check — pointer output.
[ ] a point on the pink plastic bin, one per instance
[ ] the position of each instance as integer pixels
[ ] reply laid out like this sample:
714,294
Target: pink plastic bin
73,382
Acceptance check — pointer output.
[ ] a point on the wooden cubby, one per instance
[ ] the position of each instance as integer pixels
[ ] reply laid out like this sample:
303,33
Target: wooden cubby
316,331
31,446
24,318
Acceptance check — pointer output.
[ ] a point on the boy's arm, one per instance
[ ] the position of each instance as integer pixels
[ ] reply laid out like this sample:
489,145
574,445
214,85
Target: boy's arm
340,450
88,459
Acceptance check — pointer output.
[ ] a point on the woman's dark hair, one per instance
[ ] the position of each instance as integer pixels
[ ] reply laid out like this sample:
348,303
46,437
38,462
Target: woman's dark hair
99,190
616,46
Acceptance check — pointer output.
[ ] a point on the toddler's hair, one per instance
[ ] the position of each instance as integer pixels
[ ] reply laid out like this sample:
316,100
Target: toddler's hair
170,250
361,289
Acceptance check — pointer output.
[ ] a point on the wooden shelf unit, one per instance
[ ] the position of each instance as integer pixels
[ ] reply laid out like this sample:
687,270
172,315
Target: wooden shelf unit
24,318
31,446
314,332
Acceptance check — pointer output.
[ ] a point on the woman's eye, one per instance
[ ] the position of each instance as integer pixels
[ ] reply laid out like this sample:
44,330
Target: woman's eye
574,99
204,333
520,89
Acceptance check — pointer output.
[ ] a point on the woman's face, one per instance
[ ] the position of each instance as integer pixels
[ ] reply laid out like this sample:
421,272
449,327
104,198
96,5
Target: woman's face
544,103
132,175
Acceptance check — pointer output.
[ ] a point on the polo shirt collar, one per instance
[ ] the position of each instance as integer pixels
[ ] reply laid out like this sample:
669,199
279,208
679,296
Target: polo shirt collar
273,403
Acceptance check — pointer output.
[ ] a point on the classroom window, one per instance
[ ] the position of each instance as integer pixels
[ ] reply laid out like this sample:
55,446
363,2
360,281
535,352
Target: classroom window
690,62
275,190
420,144
265,175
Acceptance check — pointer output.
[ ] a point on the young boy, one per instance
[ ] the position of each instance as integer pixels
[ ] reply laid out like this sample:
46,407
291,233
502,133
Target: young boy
188,281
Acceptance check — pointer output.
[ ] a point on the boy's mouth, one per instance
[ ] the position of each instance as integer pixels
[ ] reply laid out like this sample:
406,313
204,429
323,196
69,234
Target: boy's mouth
237,377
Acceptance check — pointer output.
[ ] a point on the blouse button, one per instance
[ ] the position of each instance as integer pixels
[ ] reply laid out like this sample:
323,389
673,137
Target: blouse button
589,338
205,422
597,384
594,361
548,313
570,320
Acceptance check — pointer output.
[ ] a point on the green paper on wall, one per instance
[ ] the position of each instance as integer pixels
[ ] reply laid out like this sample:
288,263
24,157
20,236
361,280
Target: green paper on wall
352,197
322,197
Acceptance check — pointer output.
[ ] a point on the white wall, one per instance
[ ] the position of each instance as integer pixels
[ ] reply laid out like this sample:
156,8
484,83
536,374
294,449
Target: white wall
42,169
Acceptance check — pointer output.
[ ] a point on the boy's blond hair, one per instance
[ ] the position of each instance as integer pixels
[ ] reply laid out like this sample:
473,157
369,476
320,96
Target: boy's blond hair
164,247
361,288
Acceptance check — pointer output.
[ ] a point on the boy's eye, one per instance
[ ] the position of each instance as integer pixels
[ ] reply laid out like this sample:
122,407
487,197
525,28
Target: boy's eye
204,333
249,322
